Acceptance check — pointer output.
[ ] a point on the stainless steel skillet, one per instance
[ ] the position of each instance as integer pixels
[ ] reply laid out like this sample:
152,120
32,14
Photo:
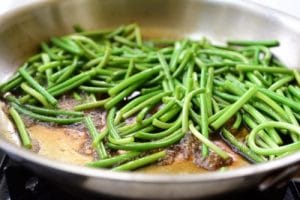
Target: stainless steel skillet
22,30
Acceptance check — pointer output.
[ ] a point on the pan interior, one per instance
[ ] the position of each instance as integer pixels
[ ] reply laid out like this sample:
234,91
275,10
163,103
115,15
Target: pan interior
21,32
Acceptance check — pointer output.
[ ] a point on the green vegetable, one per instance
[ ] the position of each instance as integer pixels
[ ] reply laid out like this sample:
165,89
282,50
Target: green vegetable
151,93
25,138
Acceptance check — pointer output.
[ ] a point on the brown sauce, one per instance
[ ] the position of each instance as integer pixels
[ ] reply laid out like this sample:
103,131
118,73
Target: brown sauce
73,146
62,144
181,166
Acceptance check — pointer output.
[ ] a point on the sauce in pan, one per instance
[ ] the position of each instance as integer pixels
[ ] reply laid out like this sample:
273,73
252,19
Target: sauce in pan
73,146
63,144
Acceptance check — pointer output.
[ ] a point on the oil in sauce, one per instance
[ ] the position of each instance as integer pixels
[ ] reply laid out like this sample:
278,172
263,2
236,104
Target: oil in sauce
62,144
73,146
181,166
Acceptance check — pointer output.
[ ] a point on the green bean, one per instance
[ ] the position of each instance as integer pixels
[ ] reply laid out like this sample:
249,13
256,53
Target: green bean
130,69
272,104
34,58
267,43
261,119
138,36
209,90
250,68
25,138
204,110
237,122
100,83
218,114
65,44
87,40
93,62
49,52
75,83
150,90
241,148
93,89
49,65
138,100
221,70
277,150
178,48
119,97
262,78
165,86
142,114
151,101
297,76
225,53
134,127
69,71
159,135
186,107
183,64
45,111
37,86
116,160
134,79
281,99
253,79
90,105
46,118
120,141
113,132
297,116
76,79
105,57
234,108
46,59
292,119
215,106
155,80
188,80
208,143
226,96
220,64
111,34
166,70
221,102
117,75
144,146
93,133
169,115
294,91
261,143
140,162
262,134
280,83
35,94
267,110
267,54
10,84
163,125
99,137
124,41
86,48
55,75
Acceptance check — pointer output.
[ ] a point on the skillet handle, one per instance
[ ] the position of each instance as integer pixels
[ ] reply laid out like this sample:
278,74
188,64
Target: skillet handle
279,178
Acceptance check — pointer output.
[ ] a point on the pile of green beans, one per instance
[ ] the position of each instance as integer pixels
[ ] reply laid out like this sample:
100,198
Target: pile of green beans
166,88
